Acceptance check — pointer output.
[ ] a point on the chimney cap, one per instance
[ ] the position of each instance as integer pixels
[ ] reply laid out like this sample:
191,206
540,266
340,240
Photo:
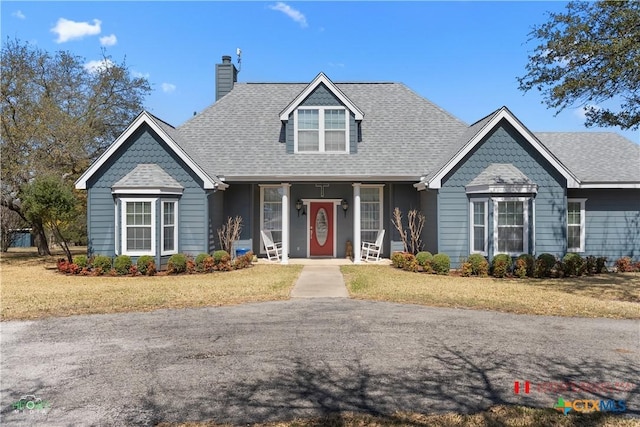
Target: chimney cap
226,59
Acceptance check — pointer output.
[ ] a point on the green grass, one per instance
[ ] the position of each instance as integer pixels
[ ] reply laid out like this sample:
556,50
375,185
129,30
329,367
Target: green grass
497,416
32,288
606,295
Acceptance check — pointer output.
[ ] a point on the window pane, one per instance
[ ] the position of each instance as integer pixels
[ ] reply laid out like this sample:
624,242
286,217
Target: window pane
370,213
307,119
510,239
573,237
334,119
169,214
335,141
308,141
478,239
573,213
139,238
169,242
478,213
370,194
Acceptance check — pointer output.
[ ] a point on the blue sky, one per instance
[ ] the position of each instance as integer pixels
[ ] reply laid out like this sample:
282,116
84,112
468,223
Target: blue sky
463,56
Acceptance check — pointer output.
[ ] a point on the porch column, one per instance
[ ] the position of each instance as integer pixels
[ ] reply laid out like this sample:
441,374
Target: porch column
357,244
285,223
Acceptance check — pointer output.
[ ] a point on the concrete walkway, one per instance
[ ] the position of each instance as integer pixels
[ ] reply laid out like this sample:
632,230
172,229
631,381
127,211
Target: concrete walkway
320,281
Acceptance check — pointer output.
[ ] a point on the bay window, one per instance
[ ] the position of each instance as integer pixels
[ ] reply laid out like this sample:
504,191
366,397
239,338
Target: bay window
511,225
479,215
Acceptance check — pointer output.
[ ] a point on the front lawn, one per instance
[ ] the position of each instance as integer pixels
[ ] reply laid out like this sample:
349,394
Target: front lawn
32,288
604,295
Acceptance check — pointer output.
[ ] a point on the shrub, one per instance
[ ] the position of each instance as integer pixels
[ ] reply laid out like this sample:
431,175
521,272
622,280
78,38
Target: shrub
410,263
520,268
221,256
530,263
122,264
466,269
143,263
243,261
590,265
441,264
191,266
397,259
103,262
200,260
151,268
601,265
501,265
624,264
479,265
544,264
81,261
208,264
573,264
177,264
424,258
133,270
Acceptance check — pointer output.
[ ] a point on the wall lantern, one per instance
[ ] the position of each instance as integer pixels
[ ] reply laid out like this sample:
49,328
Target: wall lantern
299,206
345,206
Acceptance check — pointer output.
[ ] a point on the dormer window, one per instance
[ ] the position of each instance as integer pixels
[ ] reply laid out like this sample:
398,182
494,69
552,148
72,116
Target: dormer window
321,129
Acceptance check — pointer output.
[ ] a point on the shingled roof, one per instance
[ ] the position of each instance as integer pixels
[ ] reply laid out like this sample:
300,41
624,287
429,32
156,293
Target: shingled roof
239,136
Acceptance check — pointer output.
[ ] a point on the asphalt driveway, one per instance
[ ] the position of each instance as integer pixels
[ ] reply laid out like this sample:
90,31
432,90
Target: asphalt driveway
276,361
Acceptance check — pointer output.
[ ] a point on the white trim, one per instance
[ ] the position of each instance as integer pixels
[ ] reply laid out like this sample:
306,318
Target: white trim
307,204
318,178
380,188
117,220
286,187
504,113
144,117
357,238
321,131
147,191
525,224
123,227
502,189
582,224
175,227
262,187
321,78
622,185
485,202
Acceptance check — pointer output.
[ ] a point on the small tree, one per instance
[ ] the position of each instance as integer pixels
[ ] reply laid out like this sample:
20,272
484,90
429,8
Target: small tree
229,233
411,240
52,202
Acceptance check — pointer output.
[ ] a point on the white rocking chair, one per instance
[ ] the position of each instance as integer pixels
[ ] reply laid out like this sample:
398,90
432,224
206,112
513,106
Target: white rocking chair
371,250
274,250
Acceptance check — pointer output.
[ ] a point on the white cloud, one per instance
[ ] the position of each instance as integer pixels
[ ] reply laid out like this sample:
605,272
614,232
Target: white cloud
168,87
336,64
18,14
71,30
108,40
96,66
139,75
292,13
581,112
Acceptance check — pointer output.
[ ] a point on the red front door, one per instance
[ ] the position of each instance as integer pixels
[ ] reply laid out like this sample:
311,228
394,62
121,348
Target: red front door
321,229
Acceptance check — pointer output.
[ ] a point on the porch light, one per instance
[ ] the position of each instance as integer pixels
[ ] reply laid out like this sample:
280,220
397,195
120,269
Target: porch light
345,206
299,206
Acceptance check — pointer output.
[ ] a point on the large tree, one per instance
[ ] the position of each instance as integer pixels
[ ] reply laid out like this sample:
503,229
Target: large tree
589,55
58,115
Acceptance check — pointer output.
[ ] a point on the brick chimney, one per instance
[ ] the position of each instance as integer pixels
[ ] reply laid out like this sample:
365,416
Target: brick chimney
226,76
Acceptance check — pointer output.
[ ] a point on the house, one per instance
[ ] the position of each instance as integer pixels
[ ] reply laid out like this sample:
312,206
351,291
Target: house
322,163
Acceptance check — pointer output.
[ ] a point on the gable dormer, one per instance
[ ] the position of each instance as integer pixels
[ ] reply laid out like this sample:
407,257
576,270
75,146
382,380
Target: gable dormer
321,119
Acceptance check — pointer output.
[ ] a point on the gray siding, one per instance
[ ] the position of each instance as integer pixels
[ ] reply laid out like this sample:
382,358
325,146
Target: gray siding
216,217
237,202
429,207
406,198
612,220
144,146
322,97
503,145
